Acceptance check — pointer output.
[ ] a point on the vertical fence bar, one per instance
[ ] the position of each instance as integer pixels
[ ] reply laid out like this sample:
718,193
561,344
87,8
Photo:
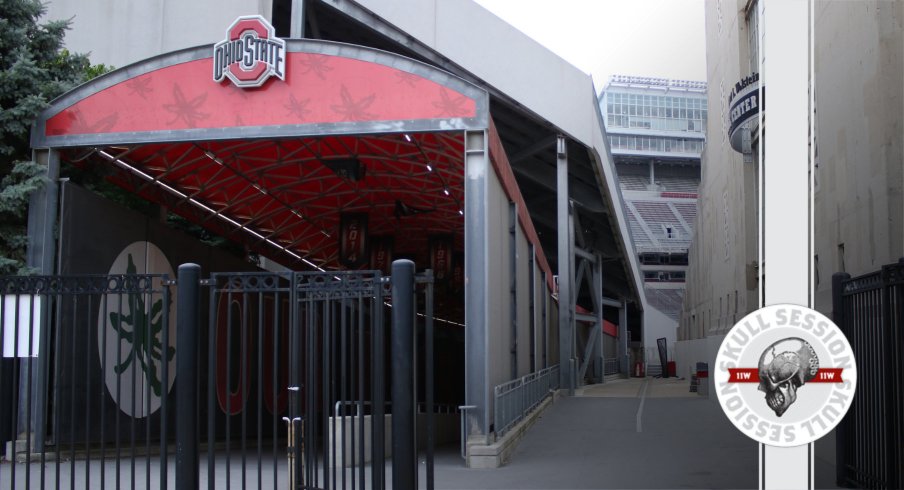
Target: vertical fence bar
838,317
211,384
187,330
404,456
429,384
164,392
378,395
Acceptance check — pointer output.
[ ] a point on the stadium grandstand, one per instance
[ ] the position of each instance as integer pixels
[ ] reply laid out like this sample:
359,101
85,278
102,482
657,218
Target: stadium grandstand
656,136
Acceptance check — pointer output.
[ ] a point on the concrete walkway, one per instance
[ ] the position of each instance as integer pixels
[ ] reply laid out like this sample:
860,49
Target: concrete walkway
632,433
602,438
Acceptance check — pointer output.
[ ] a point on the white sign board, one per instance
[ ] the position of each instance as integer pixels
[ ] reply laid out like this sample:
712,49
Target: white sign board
21,321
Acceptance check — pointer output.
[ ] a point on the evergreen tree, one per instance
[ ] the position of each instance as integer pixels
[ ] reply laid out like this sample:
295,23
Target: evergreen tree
34,69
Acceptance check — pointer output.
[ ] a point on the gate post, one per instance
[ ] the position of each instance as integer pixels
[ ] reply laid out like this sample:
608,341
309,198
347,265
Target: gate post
404,455
838,279
187,333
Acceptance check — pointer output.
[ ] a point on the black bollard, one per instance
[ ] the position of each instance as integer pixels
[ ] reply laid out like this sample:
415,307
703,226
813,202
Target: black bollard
404,454
187,332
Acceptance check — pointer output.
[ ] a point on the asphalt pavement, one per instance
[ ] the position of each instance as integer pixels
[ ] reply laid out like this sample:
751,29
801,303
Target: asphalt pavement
624,434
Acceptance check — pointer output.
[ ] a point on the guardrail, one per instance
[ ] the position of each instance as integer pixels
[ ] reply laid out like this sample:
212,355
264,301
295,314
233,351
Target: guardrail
610,366
515,399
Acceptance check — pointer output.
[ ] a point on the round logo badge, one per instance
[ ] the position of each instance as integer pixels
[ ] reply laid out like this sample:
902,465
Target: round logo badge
130,335
785,375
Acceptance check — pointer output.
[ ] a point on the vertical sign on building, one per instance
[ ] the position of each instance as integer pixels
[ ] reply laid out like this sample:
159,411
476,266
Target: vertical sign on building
381,248
353,240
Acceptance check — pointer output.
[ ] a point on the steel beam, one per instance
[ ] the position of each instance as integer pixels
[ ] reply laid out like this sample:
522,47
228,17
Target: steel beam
592,340
566,269
296,26
477,384
513,288
622,343
599,301
586,255
611,302
41,251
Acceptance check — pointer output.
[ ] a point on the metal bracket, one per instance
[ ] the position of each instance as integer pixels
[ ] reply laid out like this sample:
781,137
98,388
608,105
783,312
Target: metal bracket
206,282
169,282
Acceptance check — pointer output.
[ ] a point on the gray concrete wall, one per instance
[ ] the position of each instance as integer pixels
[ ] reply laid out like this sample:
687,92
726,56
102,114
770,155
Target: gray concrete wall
860,112
657,325
859,177
499,327
119,33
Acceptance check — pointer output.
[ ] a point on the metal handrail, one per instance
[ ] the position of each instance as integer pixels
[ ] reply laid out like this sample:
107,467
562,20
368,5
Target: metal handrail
464,439
517,398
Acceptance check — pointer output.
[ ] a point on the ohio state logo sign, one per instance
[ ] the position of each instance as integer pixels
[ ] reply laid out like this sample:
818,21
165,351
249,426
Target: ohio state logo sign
250,54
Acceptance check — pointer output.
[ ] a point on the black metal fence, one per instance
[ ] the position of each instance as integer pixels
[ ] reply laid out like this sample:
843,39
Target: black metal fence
86,389
869,309
288,379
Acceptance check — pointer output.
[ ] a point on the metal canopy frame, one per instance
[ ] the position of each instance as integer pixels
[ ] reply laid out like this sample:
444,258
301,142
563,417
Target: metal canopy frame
280,188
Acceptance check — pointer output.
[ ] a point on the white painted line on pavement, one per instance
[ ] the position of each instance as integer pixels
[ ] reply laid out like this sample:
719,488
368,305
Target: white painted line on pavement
643,398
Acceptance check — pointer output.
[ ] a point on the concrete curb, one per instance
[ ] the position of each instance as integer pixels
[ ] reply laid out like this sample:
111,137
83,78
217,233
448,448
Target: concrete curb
500,452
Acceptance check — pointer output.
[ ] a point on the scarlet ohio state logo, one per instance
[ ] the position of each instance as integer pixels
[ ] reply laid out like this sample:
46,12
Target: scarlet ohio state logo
785,375
250,54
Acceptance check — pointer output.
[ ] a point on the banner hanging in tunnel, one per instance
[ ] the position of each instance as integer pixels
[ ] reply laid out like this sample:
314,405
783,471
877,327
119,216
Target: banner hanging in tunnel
353,240
381,248
441,256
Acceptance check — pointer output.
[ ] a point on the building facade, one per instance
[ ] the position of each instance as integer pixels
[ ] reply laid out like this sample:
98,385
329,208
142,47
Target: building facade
857,174
857,180
656,130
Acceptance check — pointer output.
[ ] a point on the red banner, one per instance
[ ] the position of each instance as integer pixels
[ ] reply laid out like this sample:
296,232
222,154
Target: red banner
458,272
381,253
752,375
353,239
441,256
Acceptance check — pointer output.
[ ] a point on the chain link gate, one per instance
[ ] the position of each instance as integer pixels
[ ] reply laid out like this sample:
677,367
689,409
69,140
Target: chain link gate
869,309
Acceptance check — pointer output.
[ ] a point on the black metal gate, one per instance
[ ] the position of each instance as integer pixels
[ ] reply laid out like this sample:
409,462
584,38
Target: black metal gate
869,309
299,363
87,367
301,372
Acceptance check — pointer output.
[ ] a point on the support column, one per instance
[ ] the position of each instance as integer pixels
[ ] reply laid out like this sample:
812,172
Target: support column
43,210
404,442
296,26
566,269
652,175
477,384
598,302
622,341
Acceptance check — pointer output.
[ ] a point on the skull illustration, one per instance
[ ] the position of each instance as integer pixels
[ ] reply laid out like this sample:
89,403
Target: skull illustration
784,367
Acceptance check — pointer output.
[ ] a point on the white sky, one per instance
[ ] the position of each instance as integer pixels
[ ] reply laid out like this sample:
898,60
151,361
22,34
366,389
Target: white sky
657,38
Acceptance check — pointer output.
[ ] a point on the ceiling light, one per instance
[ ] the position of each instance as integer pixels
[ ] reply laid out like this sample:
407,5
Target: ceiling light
446,191
407,138
429,168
